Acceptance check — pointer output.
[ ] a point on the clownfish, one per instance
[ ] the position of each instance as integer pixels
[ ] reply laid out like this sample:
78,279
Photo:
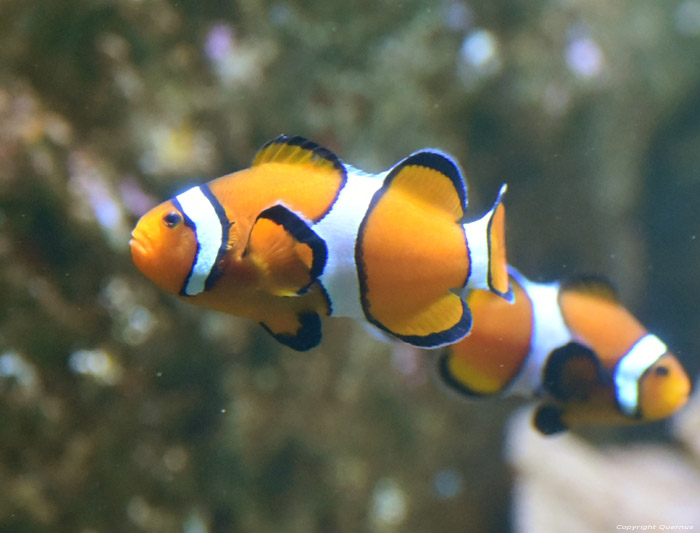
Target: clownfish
300,235
572,345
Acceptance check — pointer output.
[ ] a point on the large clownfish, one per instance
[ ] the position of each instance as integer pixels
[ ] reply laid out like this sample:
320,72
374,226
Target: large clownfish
574,346
300,235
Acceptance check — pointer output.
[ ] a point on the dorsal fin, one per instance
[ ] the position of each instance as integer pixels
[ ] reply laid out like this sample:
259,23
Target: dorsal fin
432,177
592,284
296,150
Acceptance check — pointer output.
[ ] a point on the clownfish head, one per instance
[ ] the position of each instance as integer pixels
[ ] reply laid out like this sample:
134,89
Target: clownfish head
663,388
650,383
163,246
647,384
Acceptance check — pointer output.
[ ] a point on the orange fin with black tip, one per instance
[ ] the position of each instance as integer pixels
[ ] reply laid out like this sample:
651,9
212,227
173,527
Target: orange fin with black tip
432,177
449,376
422,328
573,372
297,150
592,285
548,420
488,361
288,253
487,250
300,332
411,230
498,279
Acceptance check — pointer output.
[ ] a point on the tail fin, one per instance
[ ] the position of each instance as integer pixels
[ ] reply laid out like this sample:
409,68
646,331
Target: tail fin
487,249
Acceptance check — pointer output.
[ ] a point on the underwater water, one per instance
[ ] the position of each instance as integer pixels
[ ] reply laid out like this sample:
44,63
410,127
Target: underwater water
122,409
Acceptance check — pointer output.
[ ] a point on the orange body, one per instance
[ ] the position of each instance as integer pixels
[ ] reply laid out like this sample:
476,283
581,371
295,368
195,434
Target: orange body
604,368
300,235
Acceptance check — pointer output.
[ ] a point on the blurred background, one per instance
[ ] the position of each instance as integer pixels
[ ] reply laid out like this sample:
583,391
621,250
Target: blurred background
122,409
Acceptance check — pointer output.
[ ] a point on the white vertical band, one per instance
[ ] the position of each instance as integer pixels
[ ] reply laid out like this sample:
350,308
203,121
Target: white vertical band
549,332
630,369
477,236
208,232
339,229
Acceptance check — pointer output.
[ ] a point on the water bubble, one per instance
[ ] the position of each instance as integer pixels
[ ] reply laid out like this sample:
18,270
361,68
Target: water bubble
219,42
97,364
388,503
480,49
479,57
447,484
14,366
584,57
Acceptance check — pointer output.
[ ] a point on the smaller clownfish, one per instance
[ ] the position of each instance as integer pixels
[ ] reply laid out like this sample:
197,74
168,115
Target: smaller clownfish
574,346
300,235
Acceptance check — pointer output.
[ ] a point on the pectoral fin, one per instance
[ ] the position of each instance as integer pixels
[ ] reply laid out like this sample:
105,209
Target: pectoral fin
288,253
548,420
573,372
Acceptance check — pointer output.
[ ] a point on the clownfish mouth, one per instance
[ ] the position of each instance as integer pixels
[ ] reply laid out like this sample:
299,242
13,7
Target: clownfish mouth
139,246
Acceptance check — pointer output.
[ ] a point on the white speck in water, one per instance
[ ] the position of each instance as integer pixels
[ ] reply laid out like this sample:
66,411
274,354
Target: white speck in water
97,364
219,42
14,366
479,57
388,503
139,325
584,57
480,49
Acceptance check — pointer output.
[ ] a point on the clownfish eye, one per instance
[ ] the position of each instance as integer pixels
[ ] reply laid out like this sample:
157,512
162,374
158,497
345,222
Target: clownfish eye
661,371
172,219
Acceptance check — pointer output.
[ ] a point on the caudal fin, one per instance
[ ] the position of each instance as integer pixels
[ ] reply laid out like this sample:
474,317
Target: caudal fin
487,248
